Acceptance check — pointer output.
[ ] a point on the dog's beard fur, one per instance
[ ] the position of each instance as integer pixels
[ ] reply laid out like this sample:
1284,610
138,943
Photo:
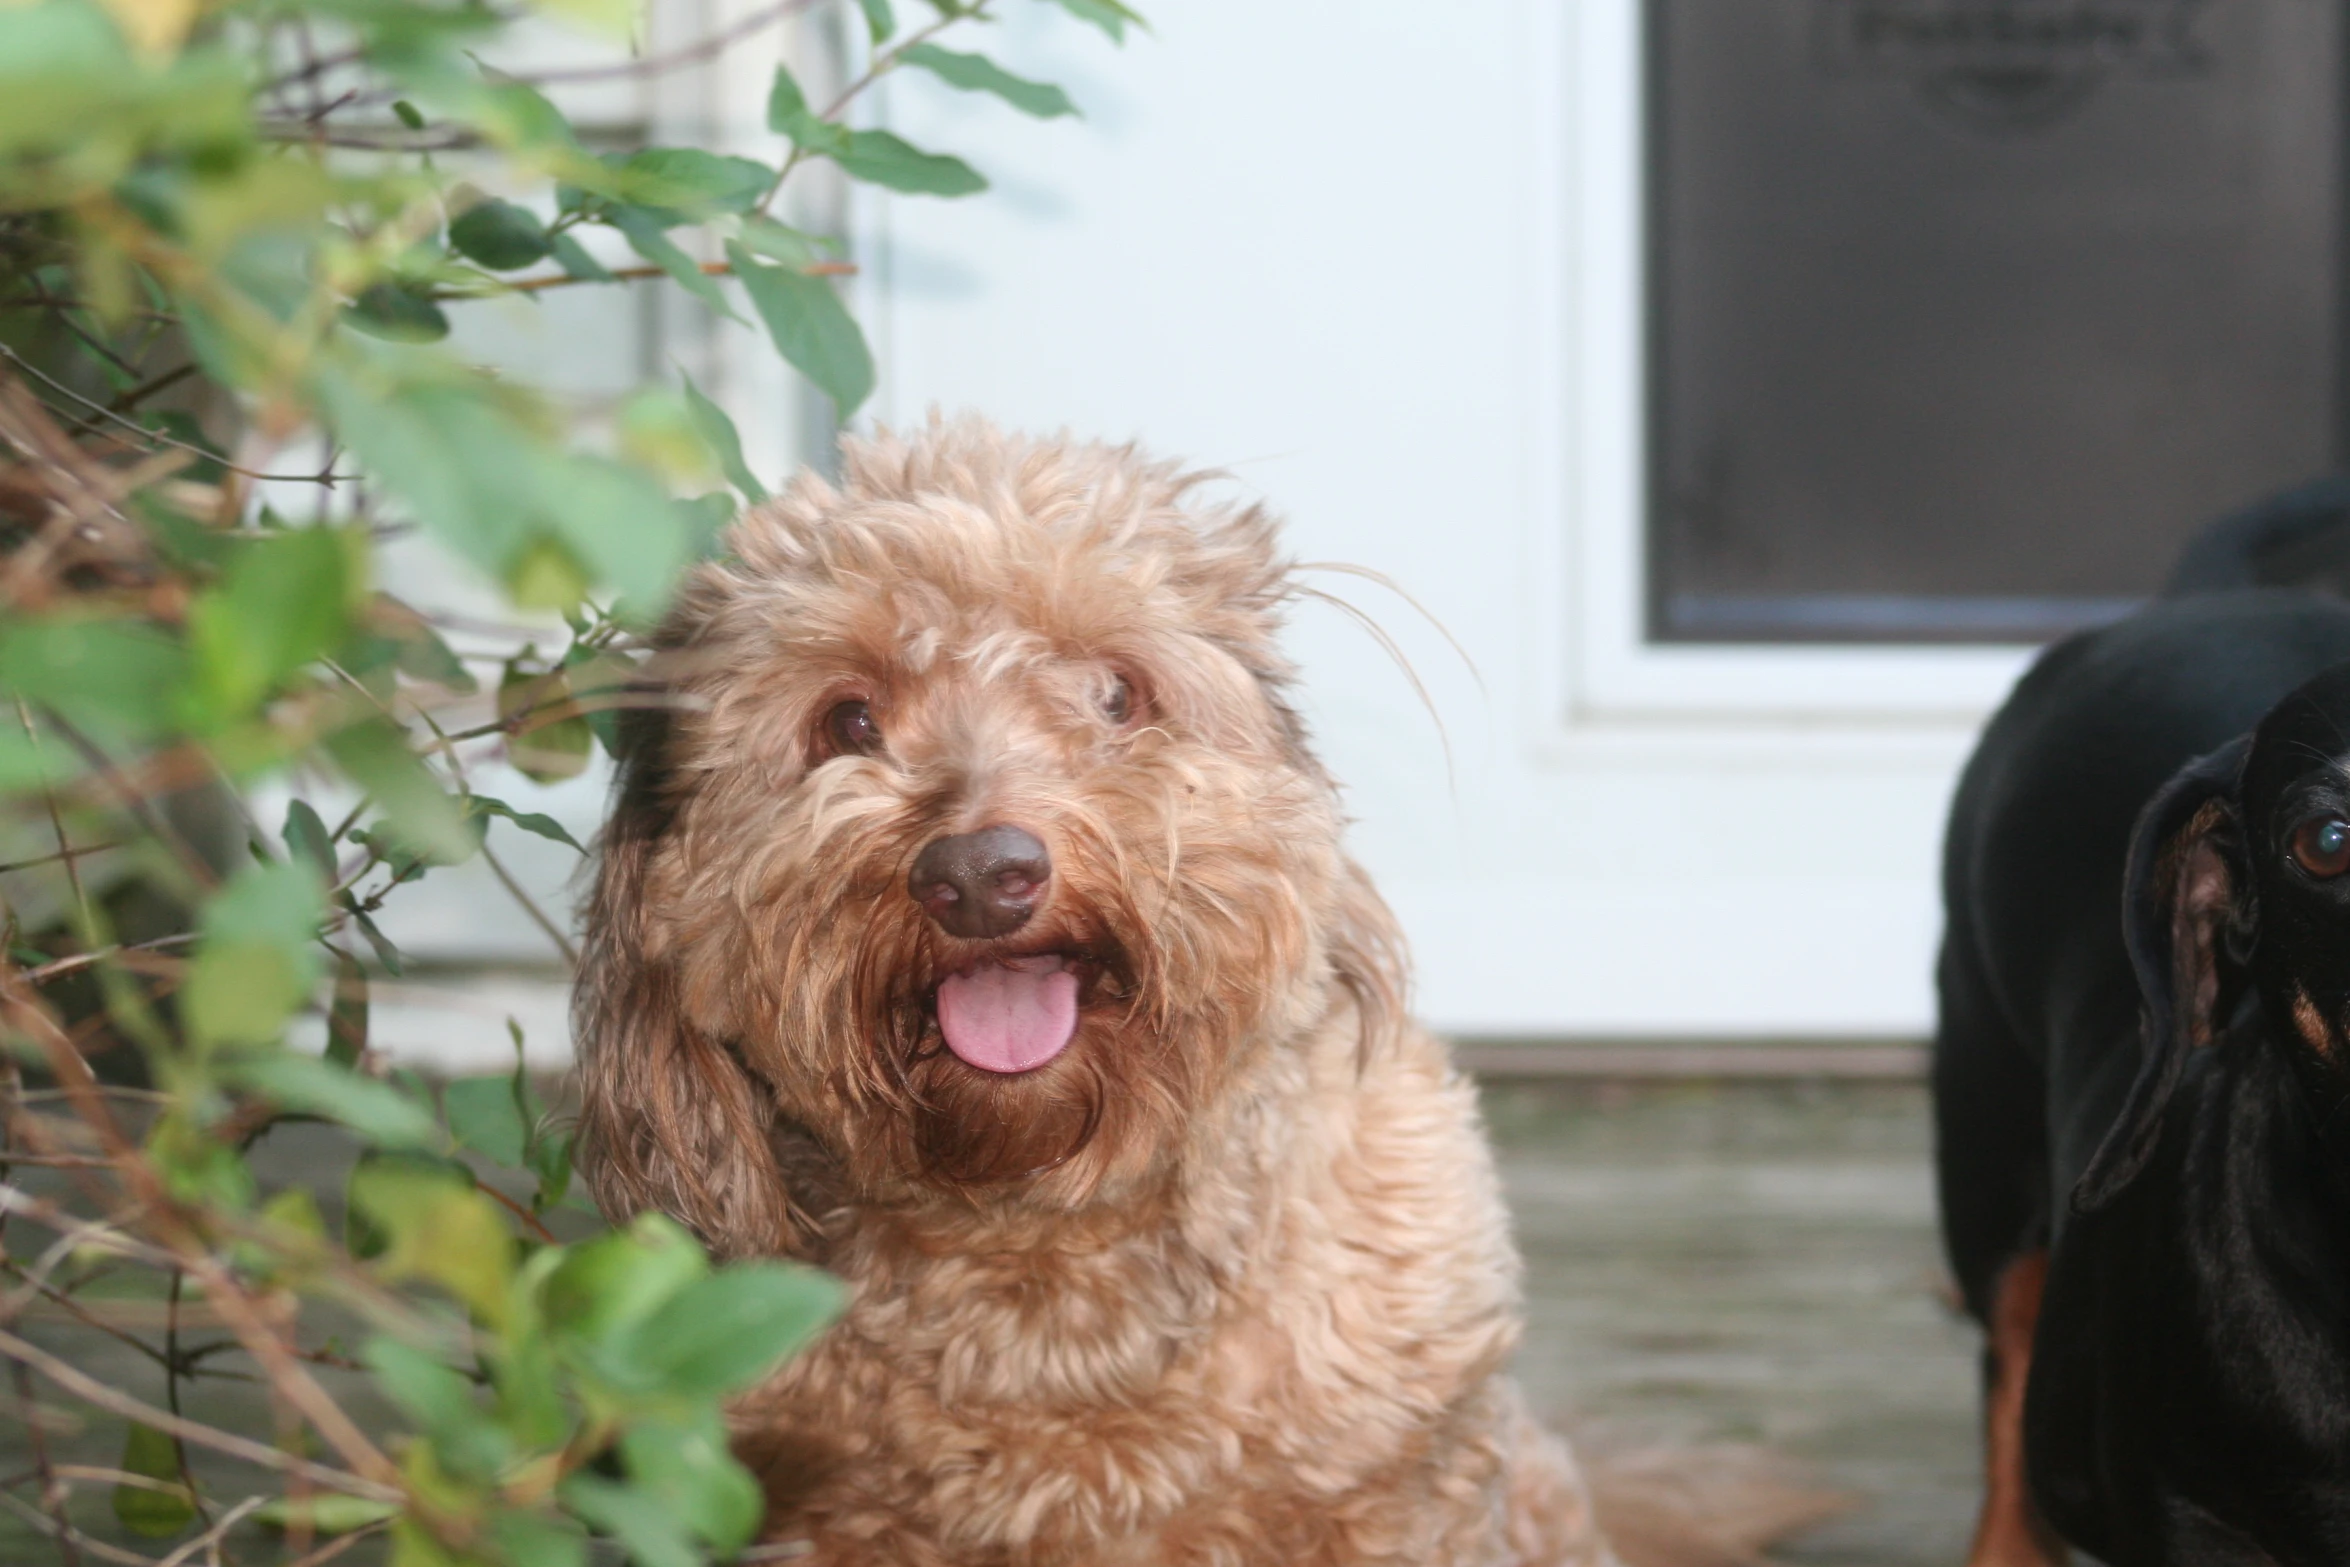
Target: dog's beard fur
845,967
755,962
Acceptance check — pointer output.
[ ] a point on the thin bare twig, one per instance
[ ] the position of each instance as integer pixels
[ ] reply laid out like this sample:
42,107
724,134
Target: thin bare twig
70,1540
82,1314
53,1491
92,1391
65,848
68,854
145,434
391,139
881,65
59,967
139,805
533,285
214,1535
341,1543
173,1369
702,49
148,388
538,916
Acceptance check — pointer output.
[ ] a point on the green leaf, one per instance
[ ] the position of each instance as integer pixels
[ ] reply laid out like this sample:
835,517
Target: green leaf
656,431
788,113
550,1160
307,838
150,1454
441,1402
725,442
257,960
546,748
197,1167
531,1540
114,677
703,520
612,18
779,242
363,1237
879,21
723,1333
35,761
417,649
685,1463
285,600
441,1228
686,184
636,1518
423,815
605,1286
484,1117
397,312
428,1392
548,576
622,525
377,1111
531,822
642,230
501,236
346,1020
812,329
407,114
880,158
385,953
977,73
324,1512
521,117
1108,15
573,257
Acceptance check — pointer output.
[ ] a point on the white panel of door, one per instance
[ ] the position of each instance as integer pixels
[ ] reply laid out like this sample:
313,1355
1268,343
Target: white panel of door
1382,263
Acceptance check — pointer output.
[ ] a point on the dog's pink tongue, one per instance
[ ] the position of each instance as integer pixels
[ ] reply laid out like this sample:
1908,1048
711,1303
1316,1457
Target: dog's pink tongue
1009,1017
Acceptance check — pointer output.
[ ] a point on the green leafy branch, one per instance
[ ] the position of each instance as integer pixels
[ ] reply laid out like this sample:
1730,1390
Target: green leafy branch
237,239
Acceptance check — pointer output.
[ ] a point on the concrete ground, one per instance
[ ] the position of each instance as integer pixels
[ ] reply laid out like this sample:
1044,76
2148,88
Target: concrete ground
1750,1263
1706,1262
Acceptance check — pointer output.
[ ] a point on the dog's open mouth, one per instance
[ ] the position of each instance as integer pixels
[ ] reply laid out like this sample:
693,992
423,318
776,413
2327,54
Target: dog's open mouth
1012,1014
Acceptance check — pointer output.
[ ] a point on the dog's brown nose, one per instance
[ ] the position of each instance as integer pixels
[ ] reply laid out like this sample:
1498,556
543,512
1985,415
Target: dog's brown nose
981,884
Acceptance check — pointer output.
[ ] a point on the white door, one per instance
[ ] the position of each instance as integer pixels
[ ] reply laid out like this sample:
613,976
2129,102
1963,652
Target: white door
1383,264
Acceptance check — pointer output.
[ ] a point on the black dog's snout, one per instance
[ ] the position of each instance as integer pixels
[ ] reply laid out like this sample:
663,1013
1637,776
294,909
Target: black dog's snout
981,884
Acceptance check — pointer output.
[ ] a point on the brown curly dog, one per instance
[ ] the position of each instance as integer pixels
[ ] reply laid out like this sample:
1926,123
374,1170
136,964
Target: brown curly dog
975,922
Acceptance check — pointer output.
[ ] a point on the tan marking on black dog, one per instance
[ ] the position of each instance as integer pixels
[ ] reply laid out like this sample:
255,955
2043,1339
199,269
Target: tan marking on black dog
2310,1023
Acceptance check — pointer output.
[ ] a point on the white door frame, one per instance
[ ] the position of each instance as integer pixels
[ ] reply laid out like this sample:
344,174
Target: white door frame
1606,681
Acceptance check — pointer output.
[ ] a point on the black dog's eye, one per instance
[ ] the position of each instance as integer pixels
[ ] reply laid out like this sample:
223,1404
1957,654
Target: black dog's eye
1118,701
2321,846
849,729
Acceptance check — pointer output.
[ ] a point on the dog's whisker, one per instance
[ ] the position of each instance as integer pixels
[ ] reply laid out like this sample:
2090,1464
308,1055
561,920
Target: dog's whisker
1394,651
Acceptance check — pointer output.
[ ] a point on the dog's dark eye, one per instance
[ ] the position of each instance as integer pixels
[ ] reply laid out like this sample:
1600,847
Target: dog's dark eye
849,729
1118,701
2321,846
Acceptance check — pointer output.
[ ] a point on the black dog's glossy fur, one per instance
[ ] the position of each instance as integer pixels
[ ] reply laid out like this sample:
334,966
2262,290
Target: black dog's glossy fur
2142,1059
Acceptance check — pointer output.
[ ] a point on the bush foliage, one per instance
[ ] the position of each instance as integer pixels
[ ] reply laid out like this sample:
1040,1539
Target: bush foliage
233,236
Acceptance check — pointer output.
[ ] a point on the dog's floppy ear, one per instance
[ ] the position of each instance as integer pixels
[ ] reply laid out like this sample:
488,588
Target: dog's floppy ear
2186,916
669,1118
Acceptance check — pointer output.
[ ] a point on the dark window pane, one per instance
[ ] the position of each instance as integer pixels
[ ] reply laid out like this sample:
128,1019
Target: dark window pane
1965,312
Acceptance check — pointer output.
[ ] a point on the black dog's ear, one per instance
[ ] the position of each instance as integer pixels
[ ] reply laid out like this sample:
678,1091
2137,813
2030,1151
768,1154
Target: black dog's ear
2186,915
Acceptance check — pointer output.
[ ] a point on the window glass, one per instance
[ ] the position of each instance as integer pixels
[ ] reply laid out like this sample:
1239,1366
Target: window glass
1963,313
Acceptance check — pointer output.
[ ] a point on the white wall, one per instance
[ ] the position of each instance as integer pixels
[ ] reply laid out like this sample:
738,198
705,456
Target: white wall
1380,261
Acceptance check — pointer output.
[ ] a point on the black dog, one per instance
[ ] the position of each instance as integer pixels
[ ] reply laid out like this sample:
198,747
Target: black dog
2143,1053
